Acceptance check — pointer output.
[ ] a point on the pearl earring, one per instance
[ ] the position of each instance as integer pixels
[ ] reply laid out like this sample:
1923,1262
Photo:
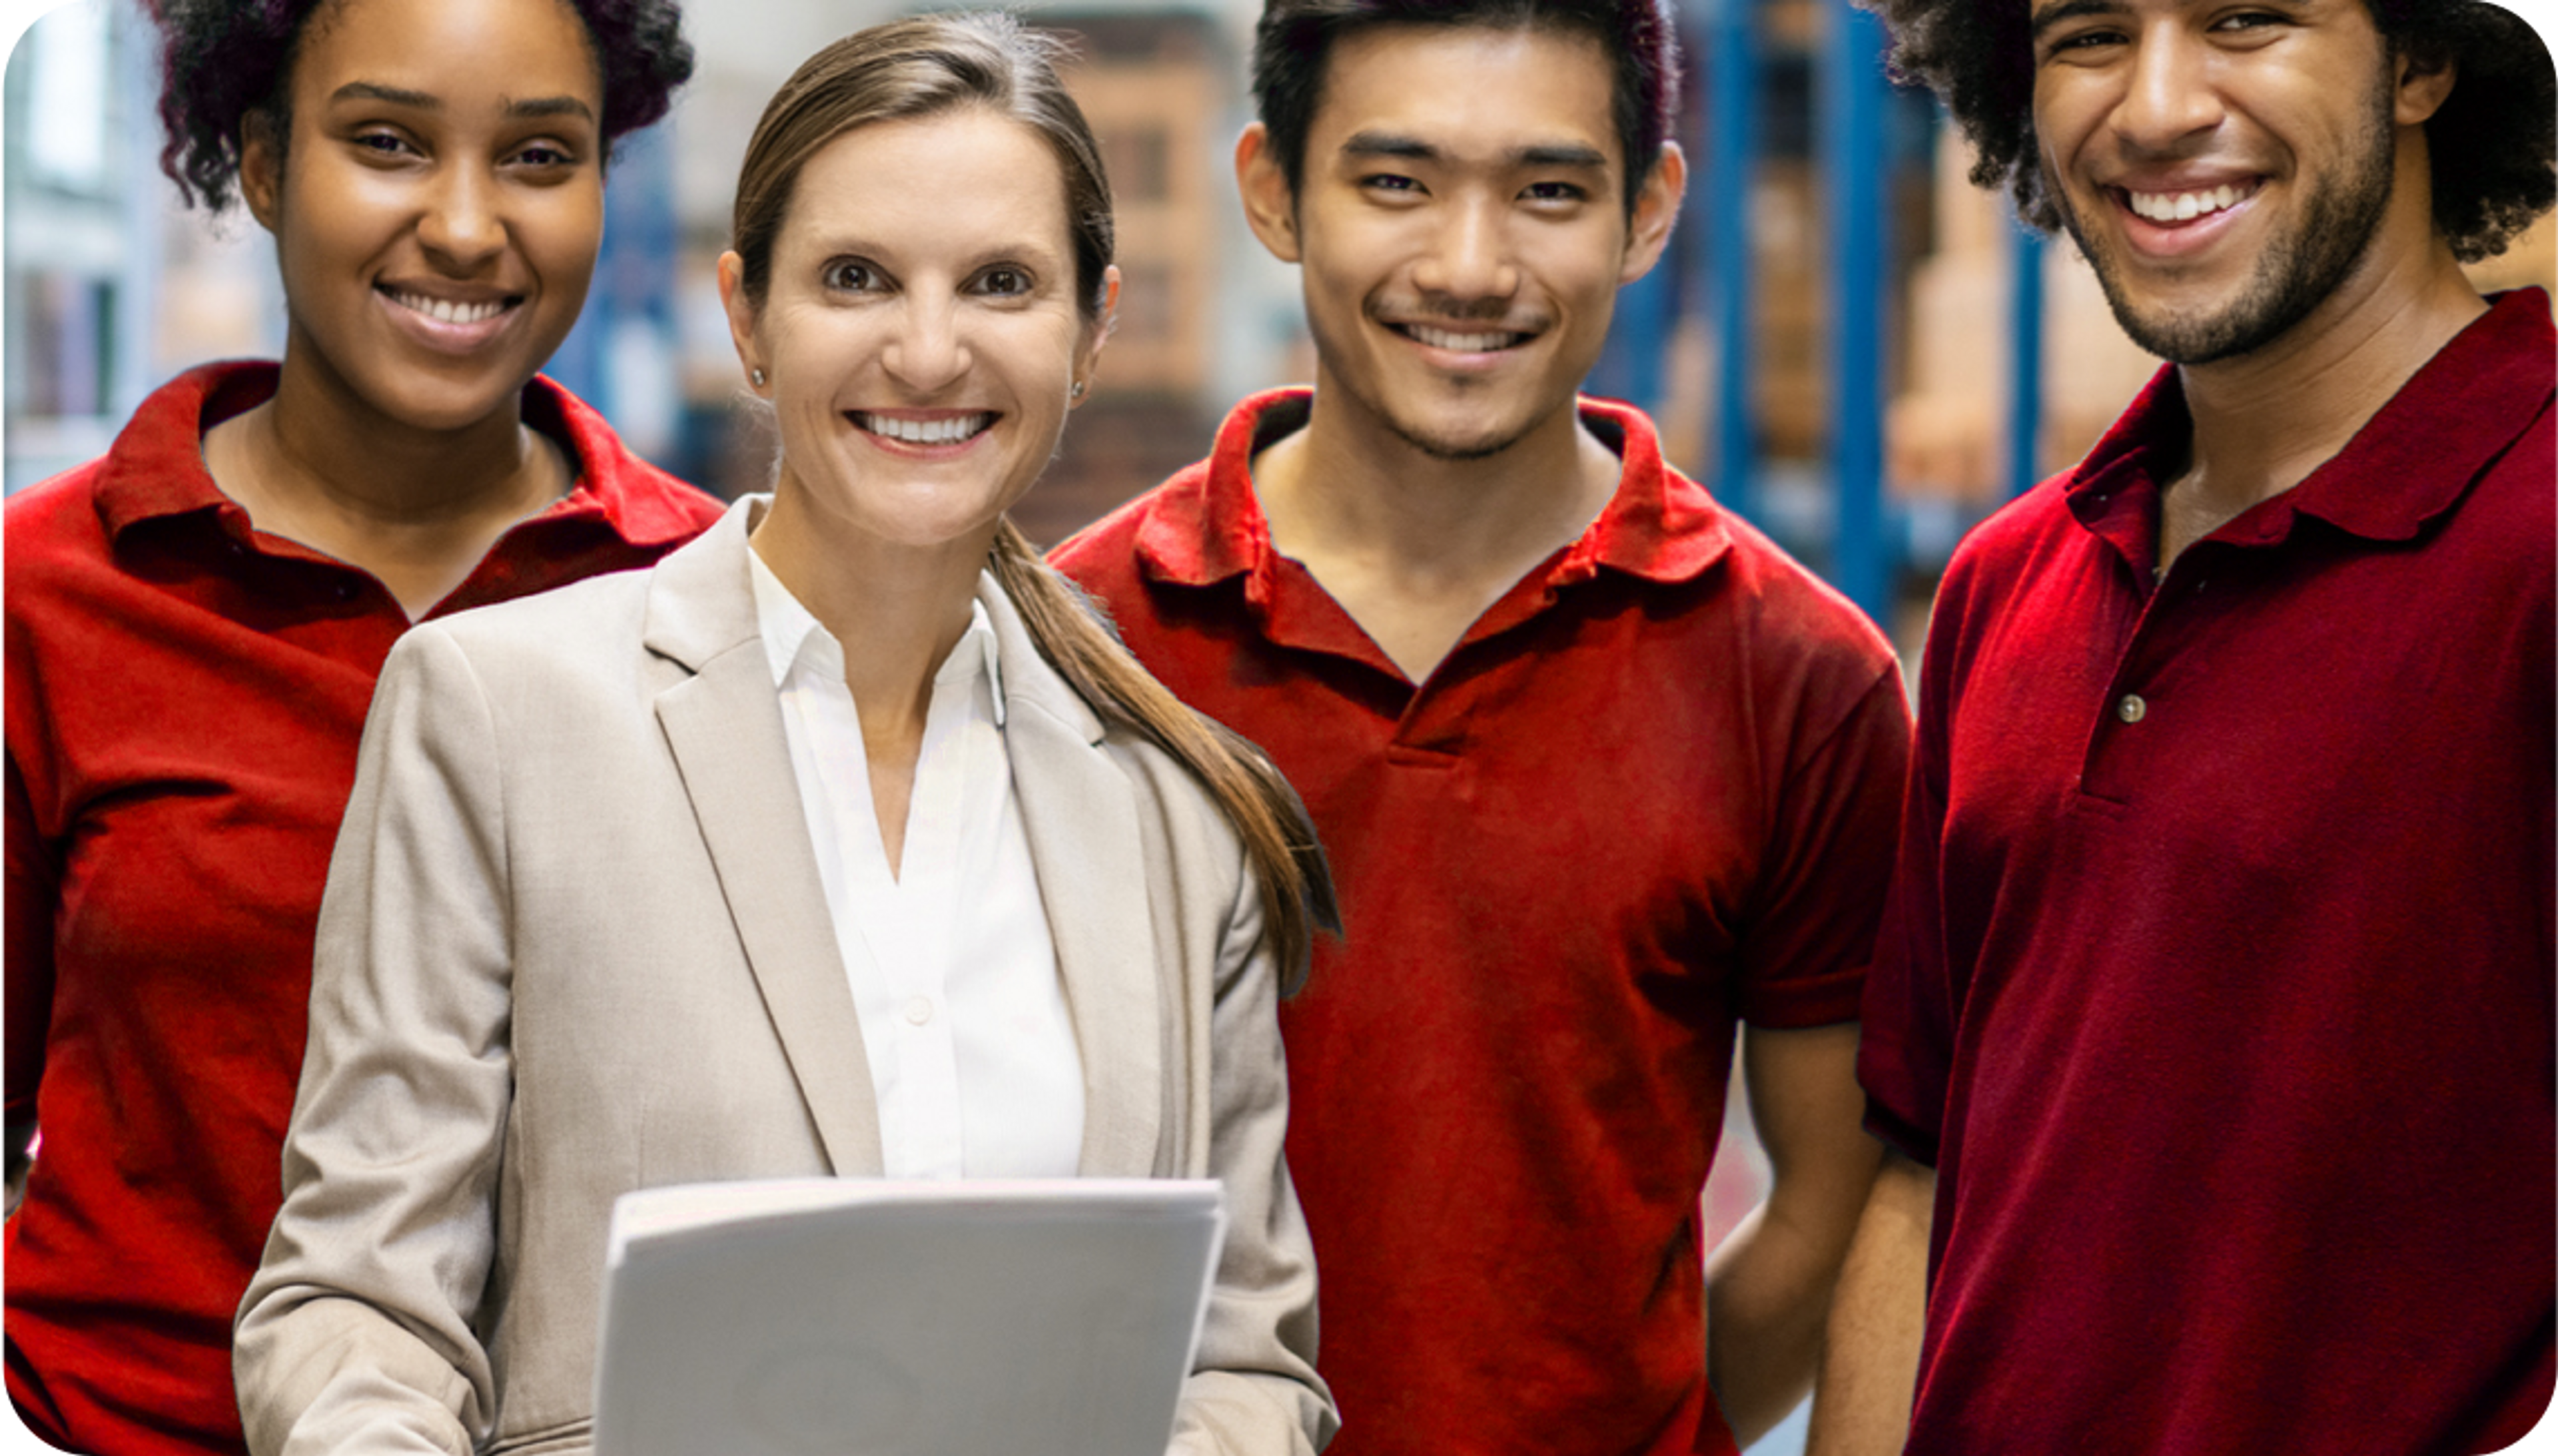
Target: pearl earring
756,375
1077,393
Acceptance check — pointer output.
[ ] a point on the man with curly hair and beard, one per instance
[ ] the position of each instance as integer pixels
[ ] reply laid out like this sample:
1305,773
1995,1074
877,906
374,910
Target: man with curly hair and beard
2210,1025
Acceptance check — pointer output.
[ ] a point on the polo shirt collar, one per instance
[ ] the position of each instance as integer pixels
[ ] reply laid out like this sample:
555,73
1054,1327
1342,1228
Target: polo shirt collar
1209,526
2411,462
156,467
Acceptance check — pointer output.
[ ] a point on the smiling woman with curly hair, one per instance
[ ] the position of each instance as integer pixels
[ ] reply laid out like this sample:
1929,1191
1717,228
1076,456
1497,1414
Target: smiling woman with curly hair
196,617
2491,144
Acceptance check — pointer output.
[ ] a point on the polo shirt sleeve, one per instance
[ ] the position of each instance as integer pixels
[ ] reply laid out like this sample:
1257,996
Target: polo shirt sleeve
32,895
1829,857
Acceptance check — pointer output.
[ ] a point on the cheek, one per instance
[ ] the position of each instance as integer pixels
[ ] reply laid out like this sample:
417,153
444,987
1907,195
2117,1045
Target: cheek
1041,353
564,233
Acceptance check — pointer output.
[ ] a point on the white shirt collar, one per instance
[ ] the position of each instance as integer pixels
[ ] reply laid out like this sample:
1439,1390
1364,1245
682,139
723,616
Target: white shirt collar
792,635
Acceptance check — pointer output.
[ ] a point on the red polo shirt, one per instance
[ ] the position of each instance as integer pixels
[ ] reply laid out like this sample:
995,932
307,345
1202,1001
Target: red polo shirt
2218,979
1650,791
184,699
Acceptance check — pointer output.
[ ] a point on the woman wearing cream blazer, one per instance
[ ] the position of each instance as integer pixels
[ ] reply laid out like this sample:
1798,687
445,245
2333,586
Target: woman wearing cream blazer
683,874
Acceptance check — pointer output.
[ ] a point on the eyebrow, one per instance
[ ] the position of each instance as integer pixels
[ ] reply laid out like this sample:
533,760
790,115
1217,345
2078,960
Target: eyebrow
1542,154
2069,10
366,90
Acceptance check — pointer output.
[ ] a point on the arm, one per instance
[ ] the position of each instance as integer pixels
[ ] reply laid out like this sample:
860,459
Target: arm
1768,1283
1871,1364
32,894
1827,861
1253,1387
13,1165
357,1333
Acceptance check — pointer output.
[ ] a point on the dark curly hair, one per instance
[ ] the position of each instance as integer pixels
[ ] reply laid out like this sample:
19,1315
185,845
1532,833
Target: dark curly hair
1295,40
2494,145
222,61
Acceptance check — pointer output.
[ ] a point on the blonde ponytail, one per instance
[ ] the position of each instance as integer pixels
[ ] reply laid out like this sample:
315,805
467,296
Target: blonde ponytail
1278,837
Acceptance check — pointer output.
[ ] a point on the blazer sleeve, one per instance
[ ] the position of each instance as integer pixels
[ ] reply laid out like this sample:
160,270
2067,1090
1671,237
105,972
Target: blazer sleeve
1253,1391
358,1331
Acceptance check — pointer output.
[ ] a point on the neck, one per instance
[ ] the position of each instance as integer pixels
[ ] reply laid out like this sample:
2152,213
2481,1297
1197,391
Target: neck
897,609
1347,484
2264,420
318,447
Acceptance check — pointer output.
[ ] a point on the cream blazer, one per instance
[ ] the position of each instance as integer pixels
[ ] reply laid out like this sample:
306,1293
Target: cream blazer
574,942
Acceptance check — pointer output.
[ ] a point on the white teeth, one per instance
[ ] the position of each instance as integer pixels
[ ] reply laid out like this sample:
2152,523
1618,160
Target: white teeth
948,430
1460,343
445,311
2185,207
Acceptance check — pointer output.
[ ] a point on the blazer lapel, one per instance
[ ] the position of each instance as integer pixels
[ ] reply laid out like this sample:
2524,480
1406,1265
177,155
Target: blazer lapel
1079,812
723,724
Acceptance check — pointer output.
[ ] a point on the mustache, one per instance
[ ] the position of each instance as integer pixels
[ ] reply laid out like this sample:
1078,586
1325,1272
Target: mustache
1439,309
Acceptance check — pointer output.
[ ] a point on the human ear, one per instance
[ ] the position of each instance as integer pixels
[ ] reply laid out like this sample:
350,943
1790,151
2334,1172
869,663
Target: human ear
2424,84
741,319
1657,207
1269,203
1096,333
261,168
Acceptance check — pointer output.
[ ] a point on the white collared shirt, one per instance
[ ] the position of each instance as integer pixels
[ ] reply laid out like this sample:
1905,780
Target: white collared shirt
972,1055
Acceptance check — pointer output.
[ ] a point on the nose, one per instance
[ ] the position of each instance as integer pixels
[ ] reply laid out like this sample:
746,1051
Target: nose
461,227
2171,93
925,352
1469,259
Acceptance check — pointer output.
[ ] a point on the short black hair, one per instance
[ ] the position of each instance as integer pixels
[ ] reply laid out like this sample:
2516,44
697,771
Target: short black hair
2494,145
222,61
1295,38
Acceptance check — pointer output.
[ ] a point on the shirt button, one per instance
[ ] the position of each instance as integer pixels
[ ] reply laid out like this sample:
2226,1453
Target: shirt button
918,1010
2131,709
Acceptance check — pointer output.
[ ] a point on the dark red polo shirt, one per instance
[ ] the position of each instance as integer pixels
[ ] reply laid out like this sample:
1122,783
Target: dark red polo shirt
183,699
2218,979
1650,791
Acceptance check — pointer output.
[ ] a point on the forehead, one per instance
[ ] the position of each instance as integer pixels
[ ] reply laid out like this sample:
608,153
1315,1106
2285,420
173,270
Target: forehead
451,50
968,180
1466,88
2042,13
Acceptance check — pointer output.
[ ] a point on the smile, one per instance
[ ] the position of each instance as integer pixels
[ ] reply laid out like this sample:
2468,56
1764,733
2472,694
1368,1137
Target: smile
2185,207
1460,343
947,429
450,311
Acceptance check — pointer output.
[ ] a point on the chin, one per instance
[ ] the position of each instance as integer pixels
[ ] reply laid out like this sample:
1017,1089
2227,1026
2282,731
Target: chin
1459,438
447,416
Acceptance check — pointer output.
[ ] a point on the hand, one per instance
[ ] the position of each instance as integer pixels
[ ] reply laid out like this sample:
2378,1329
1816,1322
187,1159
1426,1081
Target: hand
16,1163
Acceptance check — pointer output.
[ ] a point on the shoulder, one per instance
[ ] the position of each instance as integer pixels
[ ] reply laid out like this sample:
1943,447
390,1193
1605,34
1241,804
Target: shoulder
1800,645
1072,733
584,629
1790,606
53,527
1107,557
648,504
1999,556
2521,481
1202,526
70,612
